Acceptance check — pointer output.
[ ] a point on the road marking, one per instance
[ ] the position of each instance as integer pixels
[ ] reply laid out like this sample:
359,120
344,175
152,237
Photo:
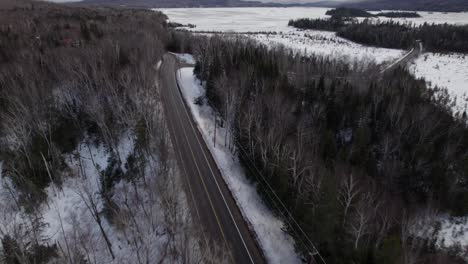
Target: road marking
171,127
203,182
212,173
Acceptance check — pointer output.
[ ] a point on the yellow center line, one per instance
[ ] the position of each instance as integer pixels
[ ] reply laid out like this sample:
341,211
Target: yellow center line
212,174
203,182
171,127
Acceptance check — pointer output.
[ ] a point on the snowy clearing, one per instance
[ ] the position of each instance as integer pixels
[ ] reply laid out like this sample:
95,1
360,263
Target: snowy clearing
327,44
277,245
446,71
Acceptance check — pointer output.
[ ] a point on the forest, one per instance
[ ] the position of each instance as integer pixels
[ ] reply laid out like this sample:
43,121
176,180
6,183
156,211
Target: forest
361,162
348,12
435,38
344,12
86,167
394,14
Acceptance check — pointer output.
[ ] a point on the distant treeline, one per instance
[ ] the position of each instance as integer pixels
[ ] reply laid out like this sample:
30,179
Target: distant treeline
354,12
332,24
398,14
436,38
348,12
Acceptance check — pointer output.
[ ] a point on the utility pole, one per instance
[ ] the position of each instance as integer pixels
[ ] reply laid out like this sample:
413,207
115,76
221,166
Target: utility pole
214,137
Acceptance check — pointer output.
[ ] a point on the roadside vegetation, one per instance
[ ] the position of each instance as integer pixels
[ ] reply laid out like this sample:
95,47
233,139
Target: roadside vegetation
363,162
87,170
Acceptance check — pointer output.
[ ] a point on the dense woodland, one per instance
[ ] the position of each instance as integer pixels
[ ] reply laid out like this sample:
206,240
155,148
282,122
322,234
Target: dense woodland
360,162
75,78
398,14
348,12
344,12
435,38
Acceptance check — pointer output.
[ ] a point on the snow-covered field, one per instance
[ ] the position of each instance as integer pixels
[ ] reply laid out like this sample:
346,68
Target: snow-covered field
323,43
277,245
448,71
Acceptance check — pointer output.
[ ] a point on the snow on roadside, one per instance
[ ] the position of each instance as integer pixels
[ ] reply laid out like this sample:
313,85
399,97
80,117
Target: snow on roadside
277,245
185,58
445,71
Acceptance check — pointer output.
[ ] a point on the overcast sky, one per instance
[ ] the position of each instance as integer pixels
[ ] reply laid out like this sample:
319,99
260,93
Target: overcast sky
275,1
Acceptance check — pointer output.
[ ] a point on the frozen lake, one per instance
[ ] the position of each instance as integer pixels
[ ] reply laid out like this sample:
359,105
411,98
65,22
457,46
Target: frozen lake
276,19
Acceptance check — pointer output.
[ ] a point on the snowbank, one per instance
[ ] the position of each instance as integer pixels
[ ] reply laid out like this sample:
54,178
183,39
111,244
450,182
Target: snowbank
277,245
446,71
185,58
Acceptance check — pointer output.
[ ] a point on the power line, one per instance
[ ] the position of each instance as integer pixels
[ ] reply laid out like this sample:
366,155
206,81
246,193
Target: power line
282,204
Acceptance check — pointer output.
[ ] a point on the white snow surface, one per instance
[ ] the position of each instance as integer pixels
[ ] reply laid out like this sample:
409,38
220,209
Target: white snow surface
448,233
277,245
445,71
327,44
185,58
453,232
66,209
241,19
68,221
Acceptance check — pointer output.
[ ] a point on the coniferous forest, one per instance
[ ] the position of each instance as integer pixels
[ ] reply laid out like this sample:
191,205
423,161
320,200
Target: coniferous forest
435,38
358,160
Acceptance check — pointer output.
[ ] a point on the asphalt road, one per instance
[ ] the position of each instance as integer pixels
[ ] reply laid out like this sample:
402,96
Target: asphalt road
210,198
403,62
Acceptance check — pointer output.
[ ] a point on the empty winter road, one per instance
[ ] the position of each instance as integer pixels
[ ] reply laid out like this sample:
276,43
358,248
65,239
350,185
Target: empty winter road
210,198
